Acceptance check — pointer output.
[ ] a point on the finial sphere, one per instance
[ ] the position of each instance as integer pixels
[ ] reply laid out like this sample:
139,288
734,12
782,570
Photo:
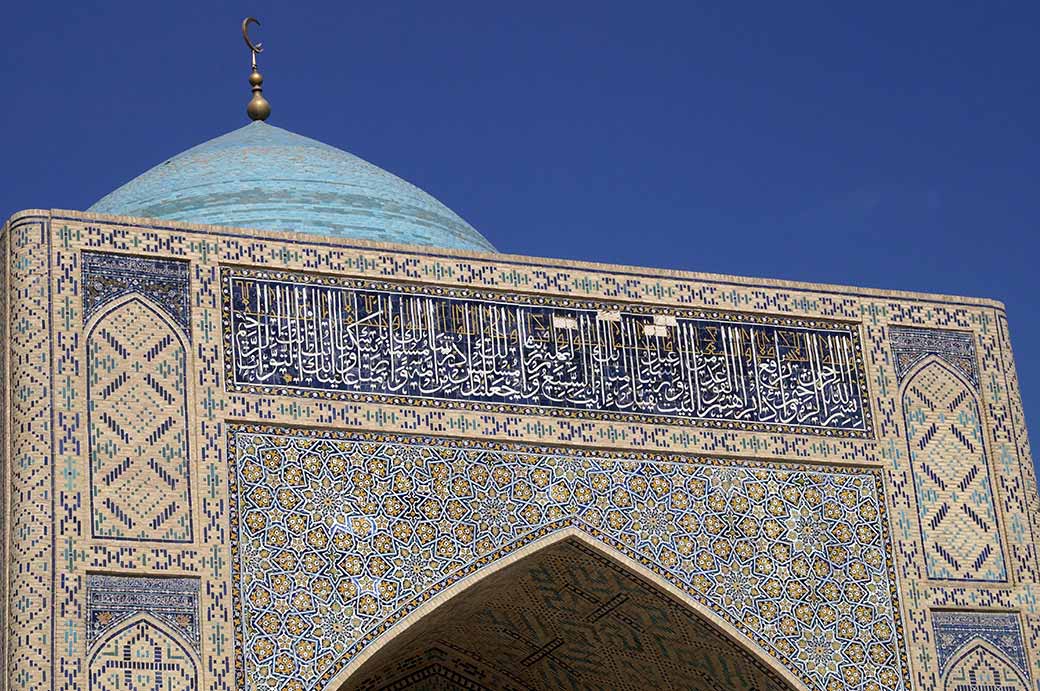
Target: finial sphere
258,108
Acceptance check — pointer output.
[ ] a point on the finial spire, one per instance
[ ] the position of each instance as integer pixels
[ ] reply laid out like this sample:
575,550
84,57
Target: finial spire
258,108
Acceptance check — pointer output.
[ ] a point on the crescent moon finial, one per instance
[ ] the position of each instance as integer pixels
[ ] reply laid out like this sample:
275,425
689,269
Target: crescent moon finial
254,47
258,108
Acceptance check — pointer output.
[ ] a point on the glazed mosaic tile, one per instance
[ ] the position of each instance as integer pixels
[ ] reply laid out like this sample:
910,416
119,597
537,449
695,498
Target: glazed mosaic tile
318,337
341,534
905,403
107,277
955,630
114,599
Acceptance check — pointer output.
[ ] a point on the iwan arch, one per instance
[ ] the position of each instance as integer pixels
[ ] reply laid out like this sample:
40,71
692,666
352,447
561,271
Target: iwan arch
647,634
276,419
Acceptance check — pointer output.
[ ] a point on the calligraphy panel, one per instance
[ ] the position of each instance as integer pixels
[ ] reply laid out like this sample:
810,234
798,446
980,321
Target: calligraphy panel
326,337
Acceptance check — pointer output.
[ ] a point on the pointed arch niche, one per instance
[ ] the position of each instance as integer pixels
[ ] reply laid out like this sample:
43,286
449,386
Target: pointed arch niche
563,613
956,509
137,418
978,666
143,655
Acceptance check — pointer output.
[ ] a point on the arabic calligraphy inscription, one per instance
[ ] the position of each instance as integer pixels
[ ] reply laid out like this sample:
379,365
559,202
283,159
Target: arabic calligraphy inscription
341,338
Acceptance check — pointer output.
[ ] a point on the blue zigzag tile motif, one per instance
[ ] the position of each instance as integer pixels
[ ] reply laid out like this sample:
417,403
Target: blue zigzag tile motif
952,484
140,480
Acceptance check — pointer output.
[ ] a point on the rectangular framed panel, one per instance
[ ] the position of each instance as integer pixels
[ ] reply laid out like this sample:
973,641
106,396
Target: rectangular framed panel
379,341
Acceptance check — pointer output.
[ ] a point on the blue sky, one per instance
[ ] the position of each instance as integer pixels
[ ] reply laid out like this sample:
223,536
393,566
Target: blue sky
888,145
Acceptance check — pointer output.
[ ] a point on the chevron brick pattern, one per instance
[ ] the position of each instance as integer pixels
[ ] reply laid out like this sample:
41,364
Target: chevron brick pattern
951,478
138,431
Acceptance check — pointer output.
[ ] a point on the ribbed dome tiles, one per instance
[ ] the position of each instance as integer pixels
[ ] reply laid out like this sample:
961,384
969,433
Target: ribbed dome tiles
261,176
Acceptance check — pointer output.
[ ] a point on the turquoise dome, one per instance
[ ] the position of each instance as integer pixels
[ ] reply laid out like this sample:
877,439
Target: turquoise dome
261,176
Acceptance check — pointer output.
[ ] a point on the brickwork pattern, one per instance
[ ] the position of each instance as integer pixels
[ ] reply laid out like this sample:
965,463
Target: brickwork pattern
981,669
136,390
141,656
958,518
1010,434
4,488
566,617
48,435
30,615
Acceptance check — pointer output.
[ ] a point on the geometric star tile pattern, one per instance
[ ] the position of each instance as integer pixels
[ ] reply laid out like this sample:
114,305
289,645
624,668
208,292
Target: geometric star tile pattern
342,534
139,469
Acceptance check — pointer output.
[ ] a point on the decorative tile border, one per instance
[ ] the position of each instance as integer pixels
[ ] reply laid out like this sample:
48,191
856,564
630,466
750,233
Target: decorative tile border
107,277
304,335
953,630
113,599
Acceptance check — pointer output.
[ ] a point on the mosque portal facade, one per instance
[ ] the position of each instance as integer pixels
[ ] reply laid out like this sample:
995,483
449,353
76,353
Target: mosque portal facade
275,419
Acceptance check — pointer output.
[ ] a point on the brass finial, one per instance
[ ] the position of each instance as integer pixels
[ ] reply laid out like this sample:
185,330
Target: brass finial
258,108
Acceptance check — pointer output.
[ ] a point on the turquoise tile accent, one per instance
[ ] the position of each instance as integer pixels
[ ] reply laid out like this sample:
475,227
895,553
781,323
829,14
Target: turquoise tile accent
261,176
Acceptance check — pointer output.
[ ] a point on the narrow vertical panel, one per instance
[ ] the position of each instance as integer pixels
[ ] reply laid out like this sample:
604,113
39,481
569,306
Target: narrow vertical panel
137,411
956,511
30,562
